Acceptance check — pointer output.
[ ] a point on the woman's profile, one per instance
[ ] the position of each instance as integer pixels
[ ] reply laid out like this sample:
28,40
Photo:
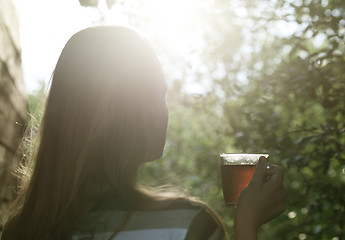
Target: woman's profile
105,116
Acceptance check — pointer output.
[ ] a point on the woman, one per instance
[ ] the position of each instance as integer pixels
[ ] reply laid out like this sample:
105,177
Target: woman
105,116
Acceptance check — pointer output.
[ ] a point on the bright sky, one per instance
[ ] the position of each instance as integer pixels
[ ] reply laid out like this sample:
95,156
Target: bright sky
46,25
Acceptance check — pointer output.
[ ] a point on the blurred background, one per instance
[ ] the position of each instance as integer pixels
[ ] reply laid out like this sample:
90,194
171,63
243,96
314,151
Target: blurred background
243,76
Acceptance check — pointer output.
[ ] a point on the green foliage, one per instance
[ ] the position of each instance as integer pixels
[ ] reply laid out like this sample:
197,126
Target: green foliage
36,101
290,103
296,113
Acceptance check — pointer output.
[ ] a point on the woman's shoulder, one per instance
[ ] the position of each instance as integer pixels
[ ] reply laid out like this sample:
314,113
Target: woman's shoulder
206,224
182,219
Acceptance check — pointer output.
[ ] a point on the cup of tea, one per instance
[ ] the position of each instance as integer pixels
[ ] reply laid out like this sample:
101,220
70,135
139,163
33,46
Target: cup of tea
237,171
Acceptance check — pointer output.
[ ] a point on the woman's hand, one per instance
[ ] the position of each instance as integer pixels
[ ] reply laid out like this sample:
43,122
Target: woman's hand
261,201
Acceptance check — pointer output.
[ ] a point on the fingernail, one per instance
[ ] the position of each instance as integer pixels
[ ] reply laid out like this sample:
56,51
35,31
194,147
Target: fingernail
268,167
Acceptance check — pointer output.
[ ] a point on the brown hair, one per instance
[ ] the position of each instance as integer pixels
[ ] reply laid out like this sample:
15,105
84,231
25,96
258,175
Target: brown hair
105,116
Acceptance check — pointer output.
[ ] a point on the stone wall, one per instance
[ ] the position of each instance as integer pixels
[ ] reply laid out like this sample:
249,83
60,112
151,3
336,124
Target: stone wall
12,102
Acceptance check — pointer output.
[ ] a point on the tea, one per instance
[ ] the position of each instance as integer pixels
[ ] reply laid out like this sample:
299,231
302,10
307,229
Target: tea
235,178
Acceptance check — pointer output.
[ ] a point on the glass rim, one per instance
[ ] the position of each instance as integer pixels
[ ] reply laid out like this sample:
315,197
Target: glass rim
241,158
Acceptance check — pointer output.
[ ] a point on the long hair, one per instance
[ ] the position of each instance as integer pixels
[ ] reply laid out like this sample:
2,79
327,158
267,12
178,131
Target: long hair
105,116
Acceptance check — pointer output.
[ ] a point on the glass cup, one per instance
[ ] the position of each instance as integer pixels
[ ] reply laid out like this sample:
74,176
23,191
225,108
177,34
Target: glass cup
237,171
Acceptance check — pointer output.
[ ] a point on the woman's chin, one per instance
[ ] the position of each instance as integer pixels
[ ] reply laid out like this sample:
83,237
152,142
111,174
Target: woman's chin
155,156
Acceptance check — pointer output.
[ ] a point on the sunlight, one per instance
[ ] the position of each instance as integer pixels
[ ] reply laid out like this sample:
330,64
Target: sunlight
171,22
173,28
174,19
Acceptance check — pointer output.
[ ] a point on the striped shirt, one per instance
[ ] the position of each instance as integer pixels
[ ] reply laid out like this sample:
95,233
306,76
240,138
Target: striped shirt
188,222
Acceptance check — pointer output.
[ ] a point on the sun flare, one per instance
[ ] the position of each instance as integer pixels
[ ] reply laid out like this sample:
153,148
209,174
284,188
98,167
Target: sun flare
172,22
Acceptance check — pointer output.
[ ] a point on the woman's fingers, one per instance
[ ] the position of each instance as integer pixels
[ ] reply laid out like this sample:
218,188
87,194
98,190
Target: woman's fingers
275,178
277,172
264,198
260,173
275,188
